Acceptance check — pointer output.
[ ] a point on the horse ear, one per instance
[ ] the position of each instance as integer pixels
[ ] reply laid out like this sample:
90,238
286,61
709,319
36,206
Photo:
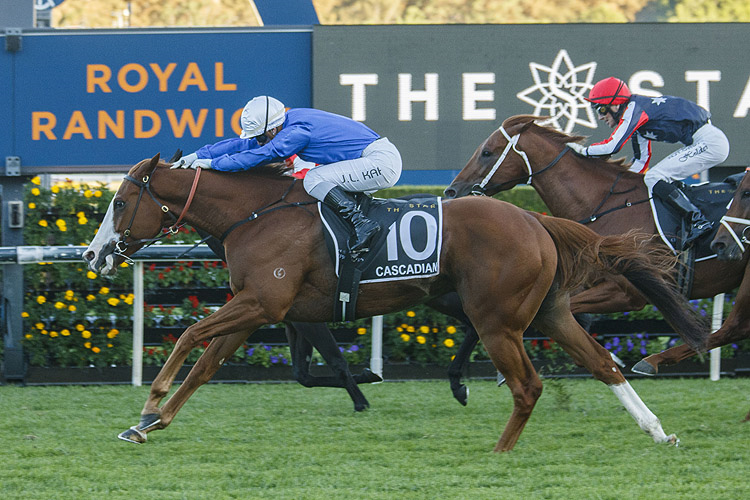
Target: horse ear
176,156
153,163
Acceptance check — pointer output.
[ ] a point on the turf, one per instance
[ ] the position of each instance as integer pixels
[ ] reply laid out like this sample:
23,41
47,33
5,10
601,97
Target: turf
282,441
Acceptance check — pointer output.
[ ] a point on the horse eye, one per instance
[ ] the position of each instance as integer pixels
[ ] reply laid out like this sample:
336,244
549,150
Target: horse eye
486,153
119,204
746,194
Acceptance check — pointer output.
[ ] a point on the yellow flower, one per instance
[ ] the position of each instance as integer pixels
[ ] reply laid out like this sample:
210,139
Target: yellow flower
32,205
361,331
90,297
129,299
59,305
44,332
65,333
42,223
53,334
39,326
421,339
113,333
72,308
24,314
411,314
113,301
399,329
96,350
91,275
80,327
124,264
82,220
55,189
110,345
41,299
451,330
448,343
28,336
86,334
88,193
80,215
405,337
424,329
69,294
63,229
35,191
104,290
87,345
97,194
36,180
410,329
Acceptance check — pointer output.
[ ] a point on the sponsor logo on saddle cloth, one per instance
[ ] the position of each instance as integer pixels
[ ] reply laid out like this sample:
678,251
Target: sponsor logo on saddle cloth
408,245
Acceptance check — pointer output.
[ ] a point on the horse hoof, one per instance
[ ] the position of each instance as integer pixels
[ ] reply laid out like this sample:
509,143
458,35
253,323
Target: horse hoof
133,435
370,377
148,421
361,407
643,367
461,394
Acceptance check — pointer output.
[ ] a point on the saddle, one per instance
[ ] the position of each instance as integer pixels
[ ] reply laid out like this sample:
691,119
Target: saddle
711,198
407,246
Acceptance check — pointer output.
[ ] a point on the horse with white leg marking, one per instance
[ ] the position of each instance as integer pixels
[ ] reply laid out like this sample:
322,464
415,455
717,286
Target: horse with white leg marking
509,267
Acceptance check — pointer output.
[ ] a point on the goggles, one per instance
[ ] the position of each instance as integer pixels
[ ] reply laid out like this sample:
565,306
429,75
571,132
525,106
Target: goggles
601,109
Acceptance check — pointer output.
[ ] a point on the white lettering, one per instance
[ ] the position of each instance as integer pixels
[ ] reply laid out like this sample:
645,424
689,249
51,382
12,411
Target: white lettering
359,97
702,78
471,96
741,110
640,77
429,96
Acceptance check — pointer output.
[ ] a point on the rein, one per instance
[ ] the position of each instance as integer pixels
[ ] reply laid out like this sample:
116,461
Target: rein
479,189
743,236
266,209
627,204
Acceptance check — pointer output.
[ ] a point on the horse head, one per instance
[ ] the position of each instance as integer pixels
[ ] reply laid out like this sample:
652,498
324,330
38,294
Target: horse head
131,221
734,233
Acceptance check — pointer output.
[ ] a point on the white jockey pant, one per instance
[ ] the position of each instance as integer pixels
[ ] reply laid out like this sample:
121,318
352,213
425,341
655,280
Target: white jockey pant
379,167
710,147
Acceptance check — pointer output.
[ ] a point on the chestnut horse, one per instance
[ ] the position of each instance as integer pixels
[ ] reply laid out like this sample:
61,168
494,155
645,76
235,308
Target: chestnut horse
611,200
509,267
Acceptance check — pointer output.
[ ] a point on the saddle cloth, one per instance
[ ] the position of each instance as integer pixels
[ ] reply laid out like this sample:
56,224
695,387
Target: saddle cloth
407,246
711,198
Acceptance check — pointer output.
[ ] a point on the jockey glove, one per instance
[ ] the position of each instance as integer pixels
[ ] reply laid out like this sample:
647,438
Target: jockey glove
578,149
185,162
202,163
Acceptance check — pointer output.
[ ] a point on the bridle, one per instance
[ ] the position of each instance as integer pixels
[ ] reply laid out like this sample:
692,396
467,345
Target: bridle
479,189
144,185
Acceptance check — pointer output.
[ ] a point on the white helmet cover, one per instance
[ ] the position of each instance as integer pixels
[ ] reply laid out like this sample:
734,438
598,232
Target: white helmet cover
260,115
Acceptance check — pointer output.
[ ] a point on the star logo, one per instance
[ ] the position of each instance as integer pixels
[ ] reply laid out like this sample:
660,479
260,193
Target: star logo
562,87
658,100
650,136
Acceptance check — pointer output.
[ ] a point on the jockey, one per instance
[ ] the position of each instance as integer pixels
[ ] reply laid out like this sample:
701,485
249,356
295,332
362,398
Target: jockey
665,119
345,156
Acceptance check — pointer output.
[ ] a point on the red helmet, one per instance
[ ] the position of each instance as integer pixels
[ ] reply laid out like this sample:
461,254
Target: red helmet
609,91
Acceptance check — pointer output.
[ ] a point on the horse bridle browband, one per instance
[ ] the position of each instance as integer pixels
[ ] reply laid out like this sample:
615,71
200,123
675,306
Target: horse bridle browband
144,185
479,189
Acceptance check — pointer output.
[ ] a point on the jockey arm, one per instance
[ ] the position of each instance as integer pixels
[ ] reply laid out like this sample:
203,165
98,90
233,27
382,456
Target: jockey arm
632,118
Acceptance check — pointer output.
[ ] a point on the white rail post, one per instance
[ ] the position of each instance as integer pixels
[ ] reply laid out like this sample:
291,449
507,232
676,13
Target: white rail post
376,352
137,377
718,316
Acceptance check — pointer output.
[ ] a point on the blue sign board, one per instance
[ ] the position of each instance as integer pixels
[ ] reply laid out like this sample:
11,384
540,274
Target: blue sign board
87,98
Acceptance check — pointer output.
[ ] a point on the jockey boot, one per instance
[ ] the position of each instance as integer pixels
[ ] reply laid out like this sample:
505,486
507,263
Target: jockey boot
698,224
347,207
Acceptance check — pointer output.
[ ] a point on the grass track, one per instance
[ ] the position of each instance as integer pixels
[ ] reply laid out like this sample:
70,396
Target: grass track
287,442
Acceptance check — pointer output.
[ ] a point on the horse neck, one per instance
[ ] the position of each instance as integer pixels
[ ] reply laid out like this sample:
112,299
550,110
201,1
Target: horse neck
221,200
575,187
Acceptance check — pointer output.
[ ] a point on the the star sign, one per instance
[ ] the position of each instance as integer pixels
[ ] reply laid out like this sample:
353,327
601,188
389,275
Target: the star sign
658,100
562,87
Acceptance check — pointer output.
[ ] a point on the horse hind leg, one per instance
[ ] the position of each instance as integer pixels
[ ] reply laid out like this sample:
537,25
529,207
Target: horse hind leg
555,320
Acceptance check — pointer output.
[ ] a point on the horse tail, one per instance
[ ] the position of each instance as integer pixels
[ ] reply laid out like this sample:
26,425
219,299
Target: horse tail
584,255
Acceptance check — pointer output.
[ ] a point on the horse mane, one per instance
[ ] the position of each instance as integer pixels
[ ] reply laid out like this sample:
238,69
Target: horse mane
556,136
276,170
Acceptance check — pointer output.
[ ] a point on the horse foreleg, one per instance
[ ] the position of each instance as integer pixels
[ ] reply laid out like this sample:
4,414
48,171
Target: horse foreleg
612,295
735,328
555,321
302,337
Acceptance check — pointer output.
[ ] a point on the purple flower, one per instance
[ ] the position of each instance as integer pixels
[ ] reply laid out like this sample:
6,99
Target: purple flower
354,348
250,351
341,349
274,359
267,347
616,341
643,351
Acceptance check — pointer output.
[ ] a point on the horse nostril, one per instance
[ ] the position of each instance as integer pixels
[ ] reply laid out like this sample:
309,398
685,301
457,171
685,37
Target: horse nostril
450,193
718,247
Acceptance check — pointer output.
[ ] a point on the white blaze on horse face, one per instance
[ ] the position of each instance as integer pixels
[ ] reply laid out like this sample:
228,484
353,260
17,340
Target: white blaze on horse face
103,245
